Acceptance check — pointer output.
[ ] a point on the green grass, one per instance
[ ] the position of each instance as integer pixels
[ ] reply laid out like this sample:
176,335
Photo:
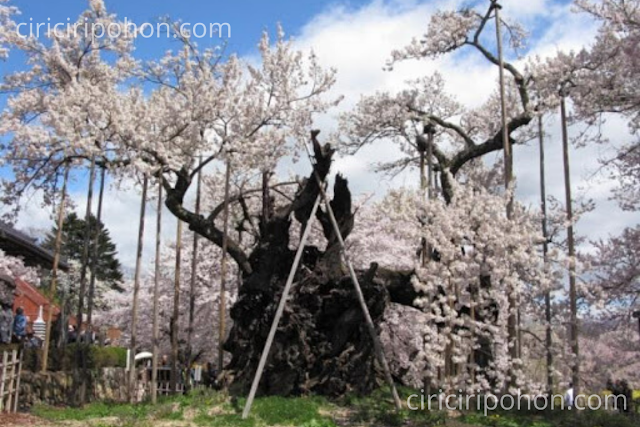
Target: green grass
304,411
92,411
205,408
216,409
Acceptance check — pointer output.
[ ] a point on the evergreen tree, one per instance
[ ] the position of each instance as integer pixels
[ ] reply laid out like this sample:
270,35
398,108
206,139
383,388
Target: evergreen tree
108,268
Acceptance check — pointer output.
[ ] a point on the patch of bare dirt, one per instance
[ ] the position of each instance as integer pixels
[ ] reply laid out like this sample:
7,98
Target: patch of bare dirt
22,420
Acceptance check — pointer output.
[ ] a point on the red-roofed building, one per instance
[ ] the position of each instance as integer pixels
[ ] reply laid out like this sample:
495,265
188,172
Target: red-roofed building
30,299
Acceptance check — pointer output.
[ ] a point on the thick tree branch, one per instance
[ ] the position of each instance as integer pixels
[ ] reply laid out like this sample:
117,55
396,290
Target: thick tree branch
198,223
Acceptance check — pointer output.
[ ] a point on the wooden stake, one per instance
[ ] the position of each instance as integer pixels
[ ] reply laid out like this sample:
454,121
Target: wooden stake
279,311
223,269
545,250
156,284
136,290
54,270
85,249
573,298
96,248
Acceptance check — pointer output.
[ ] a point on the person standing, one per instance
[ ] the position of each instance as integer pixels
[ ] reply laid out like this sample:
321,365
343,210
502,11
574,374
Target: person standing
20,325
569,397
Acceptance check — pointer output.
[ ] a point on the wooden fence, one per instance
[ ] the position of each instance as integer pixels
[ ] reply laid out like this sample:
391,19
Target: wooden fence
10,370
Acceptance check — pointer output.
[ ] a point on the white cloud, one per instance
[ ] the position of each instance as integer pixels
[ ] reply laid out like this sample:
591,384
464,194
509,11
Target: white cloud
358,42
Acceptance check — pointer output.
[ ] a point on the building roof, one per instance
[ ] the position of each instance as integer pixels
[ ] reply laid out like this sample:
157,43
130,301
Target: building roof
25,291
17,244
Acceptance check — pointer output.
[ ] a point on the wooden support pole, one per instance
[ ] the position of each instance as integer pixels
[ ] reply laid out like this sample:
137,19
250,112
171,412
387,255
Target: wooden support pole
431,135
96,249
136,291
85,249
472,356
425,148
156,295
423,177
54,269
506,143
194,272
512,322
223,269
545,250
175,317
279,311
573,297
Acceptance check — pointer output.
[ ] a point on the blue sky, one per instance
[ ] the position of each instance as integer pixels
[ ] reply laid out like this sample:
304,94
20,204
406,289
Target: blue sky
356,37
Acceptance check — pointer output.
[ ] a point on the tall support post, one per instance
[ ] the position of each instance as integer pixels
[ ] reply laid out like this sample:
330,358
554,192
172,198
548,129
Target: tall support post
279,311
223,268
96,247
506,143
425,149
512,323
422,151
156,295
54,270
136,291
194,272
423,176
87,241
431,132
545,251
175,317
573,297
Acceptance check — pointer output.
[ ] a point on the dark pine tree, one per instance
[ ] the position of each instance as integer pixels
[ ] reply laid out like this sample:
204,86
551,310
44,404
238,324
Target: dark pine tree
108,268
